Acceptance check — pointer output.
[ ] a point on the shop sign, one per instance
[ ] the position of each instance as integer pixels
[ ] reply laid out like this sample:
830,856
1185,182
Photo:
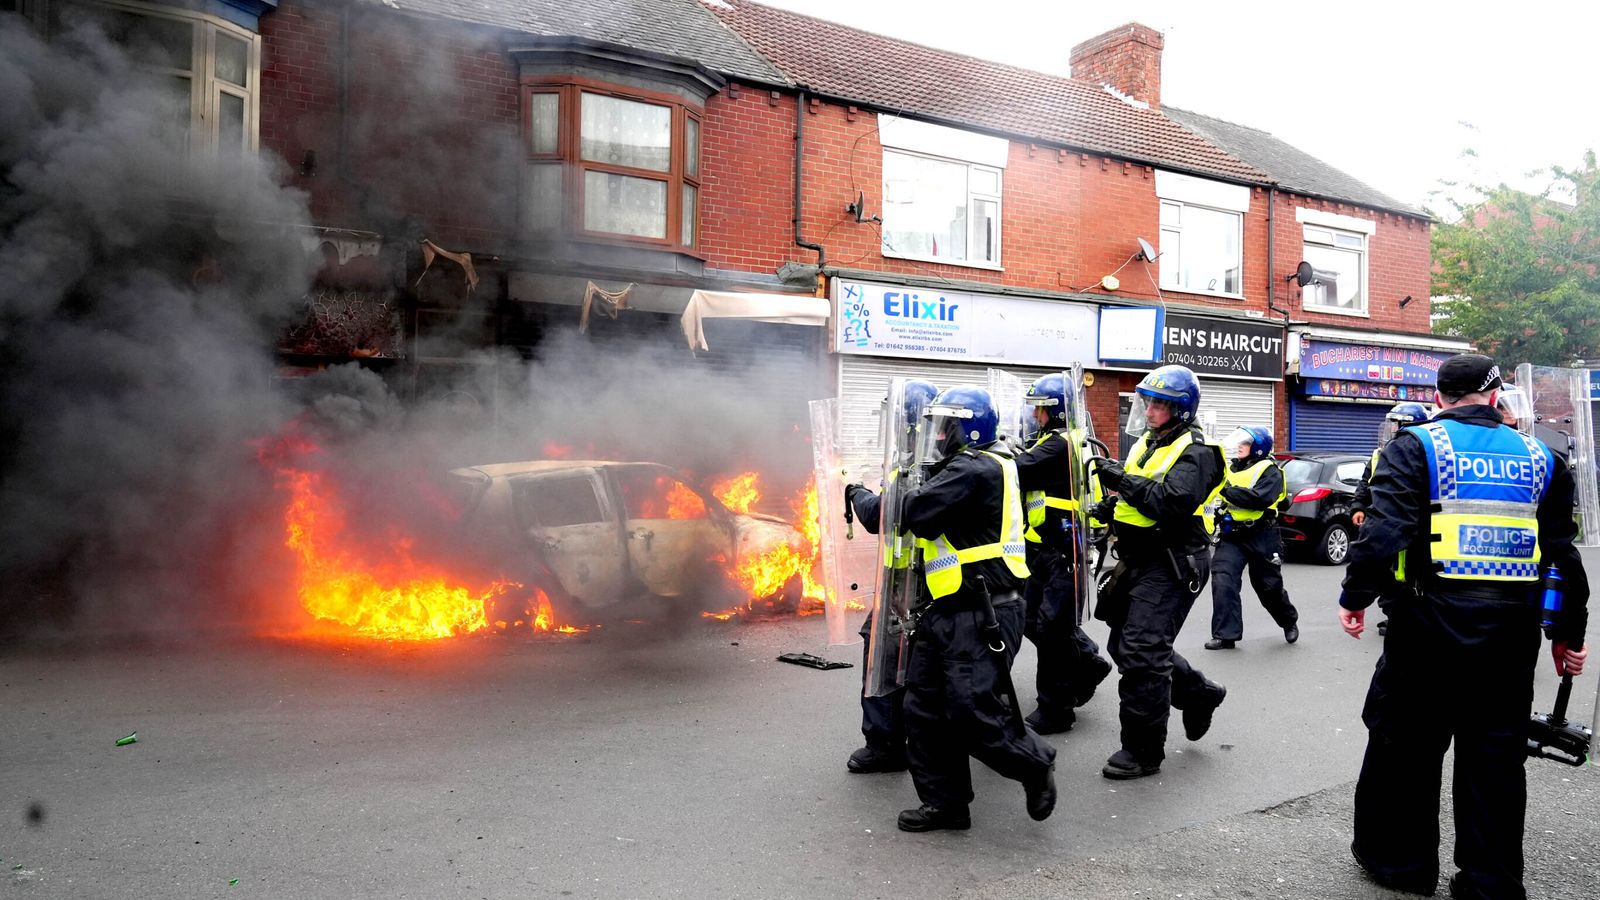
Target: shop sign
1370,362
1368,390
1231,347
925,323
1594,384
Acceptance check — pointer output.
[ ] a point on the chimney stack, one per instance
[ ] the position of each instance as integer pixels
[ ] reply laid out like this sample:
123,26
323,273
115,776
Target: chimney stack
1127,59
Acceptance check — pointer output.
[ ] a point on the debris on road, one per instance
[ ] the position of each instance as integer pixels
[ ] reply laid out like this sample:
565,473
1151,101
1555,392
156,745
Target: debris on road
132,738
813,661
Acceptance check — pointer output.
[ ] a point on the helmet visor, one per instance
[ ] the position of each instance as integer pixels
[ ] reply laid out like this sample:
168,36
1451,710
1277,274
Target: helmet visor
1239,443
945,430
1514,407
1139,414
1389,429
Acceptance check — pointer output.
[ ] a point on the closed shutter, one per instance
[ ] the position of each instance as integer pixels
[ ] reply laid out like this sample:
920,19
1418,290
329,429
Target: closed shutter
863,381
779,368
1334,425
1226,405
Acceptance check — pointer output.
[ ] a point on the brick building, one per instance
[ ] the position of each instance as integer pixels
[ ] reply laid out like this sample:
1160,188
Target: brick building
661,147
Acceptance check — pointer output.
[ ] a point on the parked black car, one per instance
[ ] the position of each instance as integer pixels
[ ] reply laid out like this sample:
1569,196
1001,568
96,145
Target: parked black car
1321,486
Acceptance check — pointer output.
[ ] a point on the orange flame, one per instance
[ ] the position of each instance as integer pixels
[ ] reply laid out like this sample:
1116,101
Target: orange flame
553,450
394,597
740,492
684,503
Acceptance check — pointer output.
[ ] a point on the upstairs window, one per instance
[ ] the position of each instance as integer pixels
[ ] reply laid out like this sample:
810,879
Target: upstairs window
209,70
941,193
1336,247
611,162
1202,235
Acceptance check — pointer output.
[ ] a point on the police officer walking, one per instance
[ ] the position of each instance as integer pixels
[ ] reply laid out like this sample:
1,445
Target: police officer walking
1163,562
1466,515
1070,666
1248,537
1401,415
882,718
968,520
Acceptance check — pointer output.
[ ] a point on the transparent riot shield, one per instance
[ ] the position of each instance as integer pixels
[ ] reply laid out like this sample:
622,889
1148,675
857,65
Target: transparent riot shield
843,596
899,560
1016,417
1075,518
1560,402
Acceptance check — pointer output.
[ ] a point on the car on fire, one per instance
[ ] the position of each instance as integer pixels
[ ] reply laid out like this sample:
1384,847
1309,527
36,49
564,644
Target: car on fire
600,532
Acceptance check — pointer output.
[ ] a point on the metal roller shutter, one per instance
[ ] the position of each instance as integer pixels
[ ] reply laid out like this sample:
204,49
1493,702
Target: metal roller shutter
1334,425
1226,405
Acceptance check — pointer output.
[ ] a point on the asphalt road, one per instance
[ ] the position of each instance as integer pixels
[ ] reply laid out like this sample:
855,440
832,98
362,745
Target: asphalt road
669,763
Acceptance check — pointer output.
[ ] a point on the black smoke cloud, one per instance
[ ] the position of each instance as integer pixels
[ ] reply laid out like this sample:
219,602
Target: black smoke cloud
140,297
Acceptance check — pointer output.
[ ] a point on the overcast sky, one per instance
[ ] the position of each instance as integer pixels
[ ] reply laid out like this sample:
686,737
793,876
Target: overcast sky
1378,90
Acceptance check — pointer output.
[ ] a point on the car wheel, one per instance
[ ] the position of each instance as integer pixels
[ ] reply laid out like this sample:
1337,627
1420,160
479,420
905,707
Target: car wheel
1334,548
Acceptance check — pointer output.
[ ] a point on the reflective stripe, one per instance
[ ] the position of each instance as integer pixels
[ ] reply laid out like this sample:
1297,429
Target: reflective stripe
1486,485
1037,502
1247,478
896,547
941,562
1156,468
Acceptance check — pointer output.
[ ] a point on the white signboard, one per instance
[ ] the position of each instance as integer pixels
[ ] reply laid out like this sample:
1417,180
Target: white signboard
1130,334
926,323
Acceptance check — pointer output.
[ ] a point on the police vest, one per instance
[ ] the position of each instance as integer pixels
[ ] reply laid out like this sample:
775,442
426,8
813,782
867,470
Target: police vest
1156,468
1246,478
1037,502
1485,485
942,560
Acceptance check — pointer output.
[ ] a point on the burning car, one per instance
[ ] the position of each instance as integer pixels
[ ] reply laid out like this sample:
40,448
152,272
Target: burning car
598,532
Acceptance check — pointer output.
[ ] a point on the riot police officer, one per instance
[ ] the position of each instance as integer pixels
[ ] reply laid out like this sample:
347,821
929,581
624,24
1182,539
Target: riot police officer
1466,515
968,520
882,721
1163,562
1070,666
1248,538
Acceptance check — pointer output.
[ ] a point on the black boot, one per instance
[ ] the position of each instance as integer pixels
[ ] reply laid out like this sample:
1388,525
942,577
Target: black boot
1042,795
870,759
1100,670
1050,723
1292,633
1197,715
1219,644
928,818
1124,765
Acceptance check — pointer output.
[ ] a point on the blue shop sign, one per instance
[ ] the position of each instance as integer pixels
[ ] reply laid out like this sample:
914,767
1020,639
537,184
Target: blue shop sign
1594,384
1369,362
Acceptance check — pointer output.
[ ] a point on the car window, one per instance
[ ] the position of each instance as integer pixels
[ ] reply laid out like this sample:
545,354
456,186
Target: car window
652,494
1350,471
1301,471
460,496
554,501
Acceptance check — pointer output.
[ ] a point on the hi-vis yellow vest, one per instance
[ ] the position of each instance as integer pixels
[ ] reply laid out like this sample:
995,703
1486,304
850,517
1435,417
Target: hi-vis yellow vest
1247,478
897,546
1486,487
942,561
1036,502
1156,468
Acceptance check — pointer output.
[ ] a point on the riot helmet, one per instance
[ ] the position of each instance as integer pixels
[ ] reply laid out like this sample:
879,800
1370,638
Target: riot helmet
1514,406
917,394
958,418
1049,393
1174,386
1402,415
1248,442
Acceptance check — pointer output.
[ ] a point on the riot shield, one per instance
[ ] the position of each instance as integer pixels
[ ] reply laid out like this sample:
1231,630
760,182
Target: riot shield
1016,417
1560,402
842,594
1076,517
899,560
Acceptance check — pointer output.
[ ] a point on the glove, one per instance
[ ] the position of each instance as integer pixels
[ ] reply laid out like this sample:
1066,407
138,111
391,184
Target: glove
1110,472
849,493
1105,510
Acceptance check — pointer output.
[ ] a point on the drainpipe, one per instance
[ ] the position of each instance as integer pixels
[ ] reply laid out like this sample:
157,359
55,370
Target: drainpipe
799,162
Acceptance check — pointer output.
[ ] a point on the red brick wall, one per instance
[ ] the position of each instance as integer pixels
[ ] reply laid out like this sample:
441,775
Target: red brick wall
1127,57
747,210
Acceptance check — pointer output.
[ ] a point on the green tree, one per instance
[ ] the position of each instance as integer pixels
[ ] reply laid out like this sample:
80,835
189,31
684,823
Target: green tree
1518,274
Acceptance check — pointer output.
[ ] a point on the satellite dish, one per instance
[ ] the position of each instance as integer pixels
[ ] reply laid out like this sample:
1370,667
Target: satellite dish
1146,251
1304,274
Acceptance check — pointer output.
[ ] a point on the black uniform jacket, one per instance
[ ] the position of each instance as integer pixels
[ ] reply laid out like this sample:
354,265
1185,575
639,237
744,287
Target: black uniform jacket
868,507
1363,498
1398,517
1048,468
1263,495
962,500
1173,500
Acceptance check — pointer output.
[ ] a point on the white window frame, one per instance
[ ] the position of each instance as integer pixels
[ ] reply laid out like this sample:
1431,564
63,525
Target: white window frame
1315,224
997,264
1172,249
204,85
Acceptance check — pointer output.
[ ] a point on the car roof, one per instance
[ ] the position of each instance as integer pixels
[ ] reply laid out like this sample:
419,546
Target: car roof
538,466
1319,454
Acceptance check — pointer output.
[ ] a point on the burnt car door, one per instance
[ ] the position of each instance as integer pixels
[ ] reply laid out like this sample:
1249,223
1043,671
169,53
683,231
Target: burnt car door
565,517
676,536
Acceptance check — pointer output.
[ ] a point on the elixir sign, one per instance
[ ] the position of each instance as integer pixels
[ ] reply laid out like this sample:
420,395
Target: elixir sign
926,323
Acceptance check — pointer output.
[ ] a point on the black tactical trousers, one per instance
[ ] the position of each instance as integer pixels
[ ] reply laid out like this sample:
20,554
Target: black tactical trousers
1430,688
1068,657
1155,678
882,718
1260,551
956,706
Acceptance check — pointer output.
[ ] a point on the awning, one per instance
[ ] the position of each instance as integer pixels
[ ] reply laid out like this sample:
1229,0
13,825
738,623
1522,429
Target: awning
780,309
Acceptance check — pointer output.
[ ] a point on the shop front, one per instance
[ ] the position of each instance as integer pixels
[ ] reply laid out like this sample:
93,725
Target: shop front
1345,382
1239,361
